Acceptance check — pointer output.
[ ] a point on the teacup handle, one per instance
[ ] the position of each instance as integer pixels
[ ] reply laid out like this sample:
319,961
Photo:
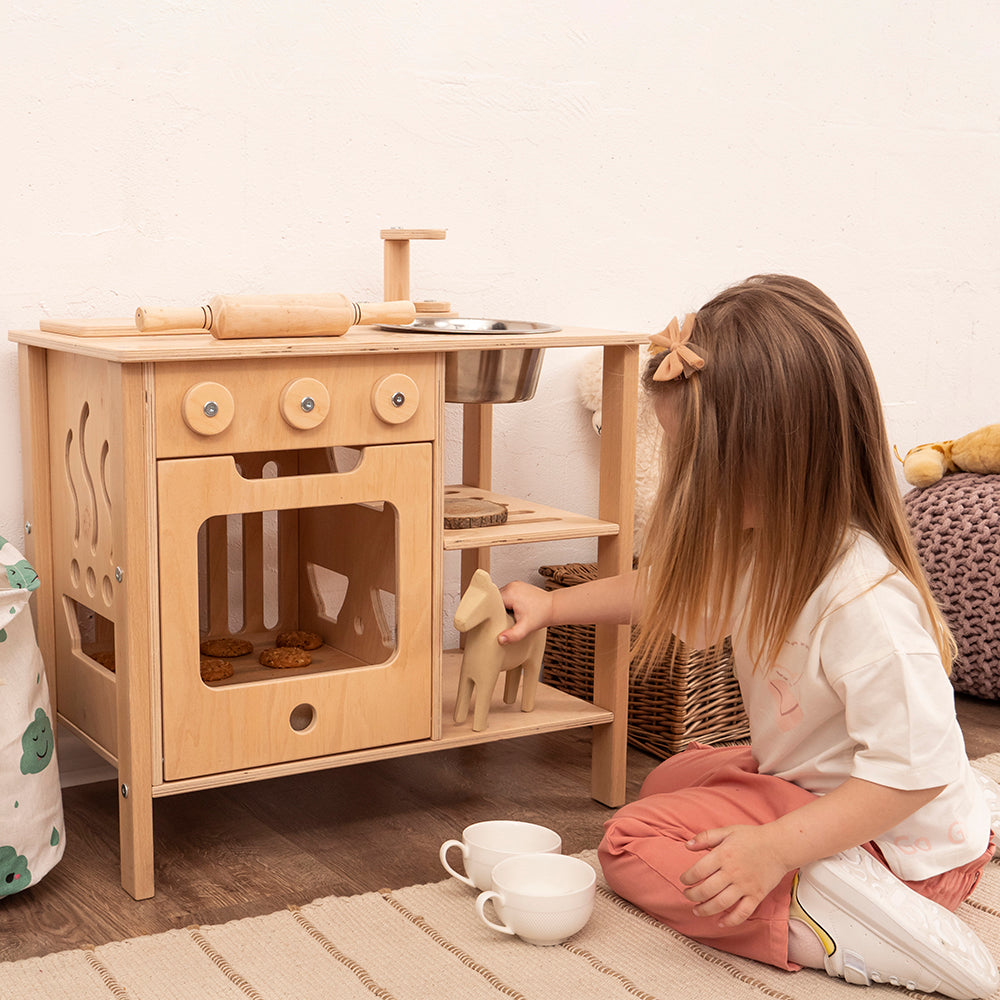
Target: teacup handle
443,855
481,901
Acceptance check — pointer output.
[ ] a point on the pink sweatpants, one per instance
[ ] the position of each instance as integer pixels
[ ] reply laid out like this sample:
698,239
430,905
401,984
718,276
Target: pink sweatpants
643,852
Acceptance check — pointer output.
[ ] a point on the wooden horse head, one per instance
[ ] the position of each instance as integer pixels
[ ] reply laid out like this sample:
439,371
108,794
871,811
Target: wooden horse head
481,602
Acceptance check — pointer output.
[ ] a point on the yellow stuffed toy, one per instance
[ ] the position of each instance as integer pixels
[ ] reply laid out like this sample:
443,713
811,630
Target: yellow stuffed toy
978,451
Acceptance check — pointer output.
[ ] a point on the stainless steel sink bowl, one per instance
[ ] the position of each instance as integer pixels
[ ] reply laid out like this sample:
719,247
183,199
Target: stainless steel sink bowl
506,375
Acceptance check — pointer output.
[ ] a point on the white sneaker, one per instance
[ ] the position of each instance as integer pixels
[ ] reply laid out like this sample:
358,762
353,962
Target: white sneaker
876,929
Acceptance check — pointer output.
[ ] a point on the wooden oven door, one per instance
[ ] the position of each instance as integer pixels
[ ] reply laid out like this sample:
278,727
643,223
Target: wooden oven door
343,555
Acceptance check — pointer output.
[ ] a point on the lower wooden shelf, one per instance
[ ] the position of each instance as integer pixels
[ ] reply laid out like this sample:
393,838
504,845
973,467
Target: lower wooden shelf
554,711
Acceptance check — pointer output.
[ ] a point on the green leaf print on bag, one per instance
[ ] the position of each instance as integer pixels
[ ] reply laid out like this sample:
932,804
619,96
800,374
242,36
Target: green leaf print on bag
22,575
14,874
37,744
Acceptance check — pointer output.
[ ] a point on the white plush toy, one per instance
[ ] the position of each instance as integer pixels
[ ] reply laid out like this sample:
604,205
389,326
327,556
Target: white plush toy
647,443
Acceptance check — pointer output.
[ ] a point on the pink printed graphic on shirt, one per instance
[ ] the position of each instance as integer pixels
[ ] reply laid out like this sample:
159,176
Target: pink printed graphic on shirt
788,709
907,846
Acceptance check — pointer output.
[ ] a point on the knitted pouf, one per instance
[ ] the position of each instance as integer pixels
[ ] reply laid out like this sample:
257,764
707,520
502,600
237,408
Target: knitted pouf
956,525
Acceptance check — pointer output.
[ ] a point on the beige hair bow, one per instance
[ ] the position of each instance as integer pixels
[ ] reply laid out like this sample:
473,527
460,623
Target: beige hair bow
681,360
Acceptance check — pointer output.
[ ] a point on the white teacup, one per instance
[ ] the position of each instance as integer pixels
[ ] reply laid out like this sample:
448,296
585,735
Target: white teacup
484,845
542,898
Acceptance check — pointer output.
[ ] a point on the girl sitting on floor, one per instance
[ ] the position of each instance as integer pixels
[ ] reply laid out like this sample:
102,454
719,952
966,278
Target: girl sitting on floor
851,828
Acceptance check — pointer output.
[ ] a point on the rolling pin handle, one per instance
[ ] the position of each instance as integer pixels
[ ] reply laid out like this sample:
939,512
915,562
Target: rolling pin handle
199,318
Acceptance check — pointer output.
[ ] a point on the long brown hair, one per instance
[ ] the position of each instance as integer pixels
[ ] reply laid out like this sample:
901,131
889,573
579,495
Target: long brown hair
785,421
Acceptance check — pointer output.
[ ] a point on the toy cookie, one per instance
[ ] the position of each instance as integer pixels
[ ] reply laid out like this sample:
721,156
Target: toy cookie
225,647
299,639
215,669
285,657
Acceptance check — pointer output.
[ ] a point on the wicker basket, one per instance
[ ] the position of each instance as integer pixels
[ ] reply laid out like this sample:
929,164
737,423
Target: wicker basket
698,698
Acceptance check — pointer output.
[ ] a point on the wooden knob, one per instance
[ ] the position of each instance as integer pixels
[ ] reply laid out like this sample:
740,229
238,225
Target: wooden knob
208,408
304,403
395,398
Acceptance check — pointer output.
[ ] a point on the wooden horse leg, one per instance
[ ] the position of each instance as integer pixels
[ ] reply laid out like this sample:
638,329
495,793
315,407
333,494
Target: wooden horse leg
532,670
511,684
464,698
481,713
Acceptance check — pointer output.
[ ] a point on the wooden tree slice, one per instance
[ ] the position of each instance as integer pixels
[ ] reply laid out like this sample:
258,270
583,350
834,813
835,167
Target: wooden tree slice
469,512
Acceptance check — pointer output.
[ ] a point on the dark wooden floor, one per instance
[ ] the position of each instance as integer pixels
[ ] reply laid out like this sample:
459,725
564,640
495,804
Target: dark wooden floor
252,849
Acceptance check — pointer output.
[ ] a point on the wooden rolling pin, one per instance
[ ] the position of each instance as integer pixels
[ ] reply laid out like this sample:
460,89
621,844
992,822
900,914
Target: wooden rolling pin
249,316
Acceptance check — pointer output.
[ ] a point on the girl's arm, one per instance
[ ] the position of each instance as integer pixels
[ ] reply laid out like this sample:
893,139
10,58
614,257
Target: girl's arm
744,863
611,600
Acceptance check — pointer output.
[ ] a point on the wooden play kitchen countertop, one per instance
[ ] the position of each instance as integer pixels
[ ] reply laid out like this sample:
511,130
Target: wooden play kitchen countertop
120,471
357,340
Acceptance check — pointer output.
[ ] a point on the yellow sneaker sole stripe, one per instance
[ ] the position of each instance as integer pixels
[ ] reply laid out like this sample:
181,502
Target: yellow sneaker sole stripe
795,912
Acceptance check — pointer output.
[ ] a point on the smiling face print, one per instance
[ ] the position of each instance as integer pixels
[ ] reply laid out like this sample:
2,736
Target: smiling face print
37,744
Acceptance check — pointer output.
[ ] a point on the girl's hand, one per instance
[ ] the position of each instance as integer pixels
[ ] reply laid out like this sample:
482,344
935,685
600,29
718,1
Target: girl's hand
744,863
740,869
531,607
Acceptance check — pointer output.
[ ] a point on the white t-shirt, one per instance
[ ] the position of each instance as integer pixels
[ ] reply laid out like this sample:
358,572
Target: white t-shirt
859,690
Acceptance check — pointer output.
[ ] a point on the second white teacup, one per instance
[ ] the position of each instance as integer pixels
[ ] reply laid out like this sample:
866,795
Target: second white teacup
484,845
542,898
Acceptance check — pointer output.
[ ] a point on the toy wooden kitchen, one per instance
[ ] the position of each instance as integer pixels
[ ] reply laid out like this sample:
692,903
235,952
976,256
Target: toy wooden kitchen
179,485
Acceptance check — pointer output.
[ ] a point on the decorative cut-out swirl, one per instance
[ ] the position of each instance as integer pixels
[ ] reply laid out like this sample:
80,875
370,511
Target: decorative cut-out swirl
88,477
106,496
72,488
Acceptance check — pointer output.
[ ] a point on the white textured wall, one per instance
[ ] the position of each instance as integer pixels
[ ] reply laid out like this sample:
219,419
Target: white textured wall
594,163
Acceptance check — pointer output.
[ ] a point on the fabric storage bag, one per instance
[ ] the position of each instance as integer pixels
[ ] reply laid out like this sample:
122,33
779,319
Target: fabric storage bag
32,835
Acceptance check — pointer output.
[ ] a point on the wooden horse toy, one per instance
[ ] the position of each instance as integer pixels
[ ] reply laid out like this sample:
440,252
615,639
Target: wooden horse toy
481,615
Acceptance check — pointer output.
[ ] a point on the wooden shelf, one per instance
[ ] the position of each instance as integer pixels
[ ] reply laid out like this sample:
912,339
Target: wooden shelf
554,711
527,521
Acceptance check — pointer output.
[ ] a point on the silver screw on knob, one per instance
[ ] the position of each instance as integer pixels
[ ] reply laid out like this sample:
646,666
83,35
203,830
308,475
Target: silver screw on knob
211,408
398,399
308,404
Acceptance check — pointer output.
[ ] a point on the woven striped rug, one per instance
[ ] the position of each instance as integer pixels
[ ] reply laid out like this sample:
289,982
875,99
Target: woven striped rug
425,942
